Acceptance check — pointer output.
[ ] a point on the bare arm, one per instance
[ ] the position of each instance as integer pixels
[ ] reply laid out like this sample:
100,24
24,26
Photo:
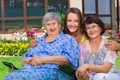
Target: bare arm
38,60
104,68
27,60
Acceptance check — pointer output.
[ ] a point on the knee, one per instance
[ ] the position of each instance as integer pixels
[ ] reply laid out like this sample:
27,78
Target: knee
99,76
106,76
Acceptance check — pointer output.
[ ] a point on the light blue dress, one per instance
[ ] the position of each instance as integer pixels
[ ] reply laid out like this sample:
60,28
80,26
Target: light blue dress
62,45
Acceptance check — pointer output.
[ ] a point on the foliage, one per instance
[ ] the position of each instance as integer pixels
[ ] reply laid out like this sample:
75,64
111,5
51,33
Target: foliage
62,18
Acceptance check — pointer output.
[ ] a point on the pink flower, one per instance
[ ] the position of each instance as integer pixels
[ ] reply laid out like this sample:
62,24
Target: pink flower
119,34
35,29
109,31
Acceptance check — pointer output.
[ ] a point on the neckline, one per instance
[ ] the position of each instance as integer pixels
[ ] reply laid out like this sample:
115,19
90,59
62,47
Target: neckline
97,49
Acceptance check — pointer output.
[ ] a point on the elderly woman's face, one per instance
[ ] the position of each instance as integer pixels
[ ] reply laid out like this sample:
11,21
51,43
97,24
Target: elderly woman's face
93,30
52,27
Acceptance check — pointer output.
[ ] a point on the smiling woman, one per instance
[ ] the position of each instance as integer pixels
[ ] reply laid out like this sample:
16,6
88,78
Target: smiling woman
96,62
54,48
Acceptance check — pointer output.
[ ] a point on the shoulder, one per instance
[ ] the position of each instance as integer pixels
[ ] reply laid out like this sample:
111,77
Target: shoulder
66,36
40,39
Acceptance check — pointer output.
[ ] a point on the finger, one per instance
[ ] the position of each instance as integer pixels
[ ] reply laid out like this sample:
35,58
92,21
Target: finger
86,76
76,74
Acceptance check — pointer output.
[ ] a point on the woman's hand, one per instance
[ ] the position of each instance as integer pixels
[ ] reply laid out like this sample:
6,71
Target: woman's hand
82,72
112,45
37,60
33,42
27,60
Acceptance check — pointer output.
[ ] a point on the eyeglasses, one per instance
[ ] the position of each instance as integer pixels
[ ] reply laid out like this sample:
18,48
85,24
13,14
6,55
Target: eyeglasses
93,27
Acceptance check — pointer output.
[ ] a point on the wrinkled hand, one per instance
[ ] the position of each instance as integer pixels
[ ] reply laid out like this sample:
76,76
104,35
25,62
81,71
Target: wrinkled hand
27,60
82,72
33,42
37,60
112,45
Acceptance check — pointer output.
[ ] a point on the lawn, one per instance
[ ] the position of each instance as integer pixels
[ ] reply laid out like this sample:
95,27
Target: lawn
3,69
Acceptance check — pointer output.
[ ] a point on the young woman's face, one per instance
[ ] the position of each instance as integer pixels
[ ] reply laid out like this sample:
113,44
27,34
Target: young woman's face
72,22
52,27
93,30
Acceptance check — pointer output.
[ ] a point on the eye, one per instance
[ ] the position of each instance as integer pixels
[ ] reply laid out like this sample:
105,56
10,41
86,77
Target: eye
76,21
47,24
68,20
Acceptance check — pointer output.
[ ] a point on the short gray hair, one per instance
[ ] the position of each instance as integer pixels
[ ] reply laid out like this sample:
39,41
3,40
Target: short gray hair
50,16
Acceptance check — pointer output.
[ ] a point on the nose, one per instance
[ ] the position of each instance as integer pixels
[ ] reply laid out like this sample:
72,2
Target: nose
72,23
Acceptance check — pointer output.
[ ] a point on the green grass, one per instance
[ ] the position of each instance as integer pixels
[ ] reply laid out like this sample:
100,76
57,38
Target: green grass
117,61
16,60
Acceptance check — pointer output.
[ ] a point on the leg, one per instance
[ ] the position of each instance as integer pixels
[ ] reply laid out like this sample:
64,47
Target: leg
106,76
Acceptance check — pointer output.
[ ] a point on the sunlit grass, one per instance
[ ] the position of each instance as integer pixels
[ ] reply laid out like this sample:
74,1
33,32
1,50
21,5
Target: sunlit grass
16,60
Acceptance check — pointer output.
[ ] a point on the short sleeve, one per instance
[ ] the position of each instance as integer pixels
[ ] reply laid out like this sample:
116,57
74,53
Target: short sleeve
110,57
71,51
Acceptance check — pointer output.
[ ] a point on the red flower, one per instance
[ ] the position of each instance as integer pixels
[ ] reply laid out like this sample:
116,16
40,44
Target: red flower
115,37
30,33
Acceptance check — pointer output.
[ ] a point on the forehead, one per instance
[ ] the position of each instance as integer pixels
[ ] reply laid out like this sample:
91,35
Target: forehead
52,21
72,15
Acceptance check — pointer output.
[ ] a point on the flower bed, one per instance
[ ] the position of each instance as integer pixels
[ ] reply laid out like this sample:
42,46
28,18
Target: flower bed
17,43
13,48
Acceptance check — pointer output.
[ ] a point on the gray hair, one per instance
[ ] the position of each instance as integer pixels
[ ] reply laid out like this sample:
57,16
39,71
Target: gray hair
50,16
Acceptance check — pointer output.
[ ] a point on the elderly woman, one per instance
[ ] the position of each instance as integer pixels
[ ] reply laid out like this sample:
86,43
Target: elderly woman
96,62
54,48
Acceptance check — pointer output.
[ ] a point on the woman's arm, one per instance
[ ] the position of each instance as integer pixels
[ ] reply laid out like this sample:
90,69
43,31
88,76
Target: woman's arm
83,70
38,60
104,68
26,60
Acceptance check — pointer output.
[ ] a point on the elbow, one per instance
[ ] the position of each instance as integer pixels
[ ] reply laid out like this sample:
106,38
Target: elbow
106,69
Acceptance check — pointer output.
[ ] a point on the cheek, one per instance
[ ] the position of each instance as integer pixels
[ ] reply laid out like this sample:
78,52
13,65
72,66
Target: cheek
76,23
47,28
68,23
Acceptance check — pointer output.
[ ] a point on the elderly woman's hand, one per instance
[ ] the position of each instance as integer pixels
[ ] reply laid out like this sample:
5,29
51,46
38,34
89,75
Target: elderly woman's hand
27,60
82,72
33,42
112,45
37,60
